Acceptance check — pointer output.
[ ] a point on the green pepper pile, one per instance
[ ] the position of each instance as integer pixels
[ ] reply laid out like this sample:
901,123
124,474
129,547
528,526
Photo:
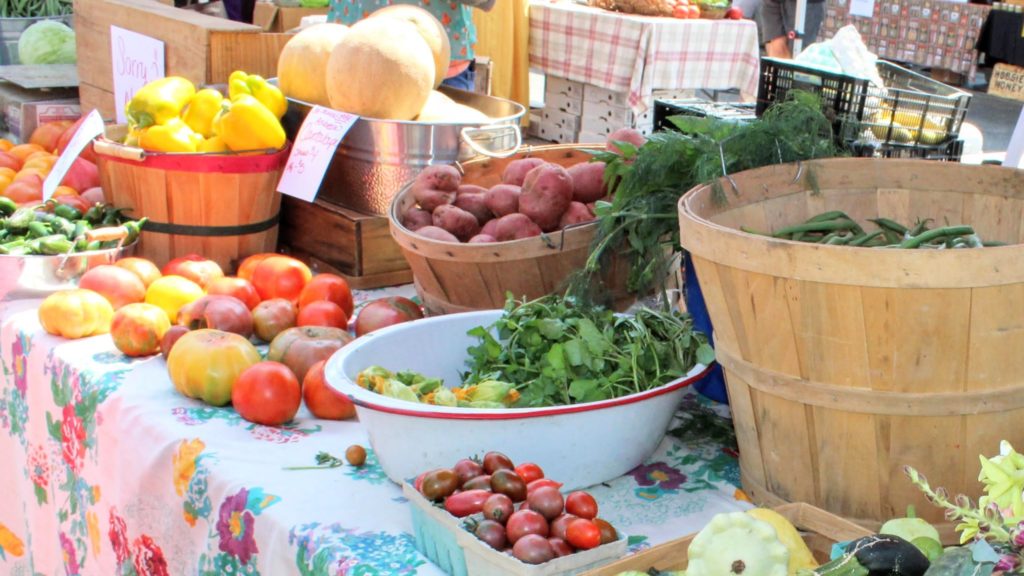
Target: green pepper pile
838,229
52,228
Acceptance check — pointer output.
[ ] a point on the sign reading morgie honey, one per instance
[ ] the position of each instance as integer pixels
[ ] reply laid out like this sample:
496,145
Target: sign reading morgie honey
1007,81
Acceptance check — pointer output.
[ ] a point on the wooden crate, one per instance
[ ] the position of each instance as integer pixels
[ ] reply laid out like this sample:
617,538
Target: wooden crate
202,48
820,530
273,18
355,245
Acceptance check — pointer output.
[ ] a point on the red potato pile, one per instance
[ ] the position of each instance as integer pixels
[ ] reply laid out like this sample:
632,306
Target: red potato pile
534,197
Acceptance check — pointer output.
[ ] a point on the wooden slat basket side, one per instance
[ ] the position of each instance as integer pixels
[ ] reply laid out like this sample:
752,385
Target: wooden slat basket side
819,529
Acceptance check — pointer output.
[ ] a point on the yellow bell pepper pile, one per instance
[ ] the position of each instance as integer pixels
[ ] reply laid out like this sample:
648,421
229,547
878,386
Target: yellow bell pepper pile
170,115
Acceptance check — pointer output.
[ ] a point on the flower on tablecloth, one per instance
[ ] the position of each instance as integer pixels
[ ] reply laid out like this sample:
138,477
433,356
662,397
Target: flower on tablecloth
10,543
70,555
72,437
148,558
184,461
347,551
370,471
655,480
19,352
235,526
118,534
93,528
39,470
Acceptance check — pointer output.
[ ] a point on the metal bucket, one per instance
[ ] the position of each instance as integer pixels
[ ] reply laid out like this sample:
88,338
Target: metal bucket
377,157
10,31
29,277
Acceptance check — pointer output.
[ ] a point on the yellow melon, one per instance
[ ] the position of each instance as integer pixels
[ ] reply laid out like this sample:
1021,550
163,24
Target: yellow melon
302,66
440,109
430,29
381,69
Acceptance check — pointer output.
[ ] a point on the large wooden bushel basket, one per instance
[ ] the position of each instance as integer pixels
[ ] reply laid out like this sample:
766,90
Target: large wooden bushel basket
844,364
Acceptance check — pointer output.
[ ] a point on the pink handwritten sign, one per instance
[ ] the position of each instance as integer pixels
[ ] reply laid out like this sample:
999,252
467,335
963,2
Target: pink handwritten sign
312,151
136,60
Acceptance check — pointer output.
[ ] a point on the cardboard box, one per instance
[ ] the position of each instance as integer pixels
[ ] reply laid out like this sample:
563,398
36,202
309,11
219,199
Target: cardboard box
592,93
591,138
595,113
556,133
562,119
569,88
202,48
22,110
274,18
563,103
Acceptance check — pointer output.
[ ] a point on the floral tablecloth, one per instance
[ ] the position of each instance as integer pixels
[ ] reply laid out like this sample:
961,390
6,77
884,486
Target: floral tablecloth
106,470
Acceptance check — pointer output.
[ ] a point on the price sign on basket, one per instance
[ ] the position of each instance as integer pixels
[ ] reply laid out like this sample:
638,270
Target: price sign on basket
136,60
313,150
90,128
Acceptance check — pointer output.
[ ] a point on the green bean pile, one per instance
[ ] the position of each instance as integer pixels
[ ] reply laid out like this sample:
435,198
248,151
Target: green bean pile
53,228
838,229
34,8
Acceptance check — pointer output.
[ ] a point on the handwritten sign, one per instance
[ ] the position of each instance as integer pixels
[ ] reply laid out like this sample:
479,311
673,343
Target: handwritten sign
90,128
136,60
314,147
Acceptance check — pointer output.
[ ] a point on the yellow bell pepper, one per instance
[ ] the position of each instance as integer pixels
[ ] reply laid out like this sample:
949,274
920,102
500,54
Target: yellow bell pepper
159,101
132,138
240,83
201,111
245,124
213,144
171,136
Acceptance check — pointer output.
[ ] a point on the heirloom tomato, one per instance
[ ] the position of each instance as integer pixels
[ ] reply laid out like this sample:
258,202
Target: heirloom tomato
196,268
204,364
117,285
271,317
300,348
386,312
138,329
144,269
322,400
225,313
75,313
171,293
322,313
170,339
328,287
233,286
248,266
266,393
280,277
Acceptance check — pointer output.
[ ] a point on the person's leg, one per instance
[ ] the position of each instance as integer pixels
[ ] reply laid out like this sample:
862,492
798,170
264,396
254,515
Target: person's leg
773,20
812,22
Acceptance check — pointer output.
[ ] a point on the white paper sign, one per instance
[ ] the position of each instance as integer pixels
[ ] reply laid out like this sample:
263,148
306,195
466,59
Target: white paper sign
865,8
312,151
1015,149
136,60
89,129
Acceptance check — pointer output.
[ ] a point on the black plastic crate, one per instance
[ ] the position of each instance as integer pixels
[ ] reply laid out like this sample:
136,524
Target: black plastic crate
700,108
949,152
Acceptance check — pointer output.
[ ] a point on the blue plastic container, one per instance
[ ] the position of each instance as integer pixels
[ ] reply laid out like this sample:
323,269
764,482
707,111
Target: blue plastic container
712,384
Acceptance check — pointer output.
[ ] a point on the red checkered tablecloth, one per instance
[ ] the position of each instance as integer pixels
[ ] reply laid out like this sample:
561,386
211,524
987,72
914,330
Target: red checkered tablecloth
639,55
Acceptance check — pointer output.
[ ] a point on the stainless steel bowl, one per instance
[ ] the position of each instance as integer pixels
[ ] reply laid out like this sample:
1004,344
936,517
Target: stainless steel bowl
29,277
377,157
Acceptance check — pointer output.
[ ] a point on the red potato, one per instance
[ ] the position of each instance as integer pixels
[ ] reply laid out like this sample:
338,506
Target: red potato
473,202
503,199
435,233
457,221
546,195
625,135
435,186
587,181
576,214
471,189
517,170
482,239
516,227
417,218
490,229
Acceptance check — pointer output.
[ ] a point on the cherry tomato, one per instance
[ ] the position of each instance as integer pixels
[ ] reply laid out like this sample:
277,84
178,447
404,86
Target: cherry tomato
467,469
492,533
465,503
533,549
547,501
560,524
560,547
494,461
542,482
418,483
526,522
498,508
583,534
509,483
439,484
581,504
608,532
529,472
478,483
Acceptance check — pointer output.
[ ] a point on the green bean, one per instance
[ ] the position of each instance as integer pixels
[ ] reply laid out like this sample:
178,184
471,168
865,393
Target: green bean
831,215
831,225
921,226
887,224
930,235
862,240
993,243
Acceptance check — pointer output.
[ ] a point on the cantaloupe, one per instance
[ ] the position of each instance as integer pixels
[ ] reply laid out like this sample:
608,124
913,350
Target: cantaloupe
442,109
381,69
302,66
430,28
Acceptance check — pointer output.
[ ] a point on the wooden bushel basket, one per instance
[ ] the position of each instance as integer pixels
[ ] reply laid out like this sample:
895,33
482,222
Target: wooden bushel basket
221,206
844,364
454,278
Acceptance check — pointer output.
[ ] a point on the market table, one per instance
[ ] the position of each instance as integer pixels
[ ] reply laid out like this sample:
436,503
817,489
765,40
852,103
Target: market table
638,54
107,470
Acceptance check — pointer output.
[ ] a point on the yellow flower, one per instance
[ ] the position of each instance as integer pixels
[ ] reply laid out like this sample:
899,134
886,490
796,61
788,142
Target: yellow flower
10,543
94,532
185,464
95,494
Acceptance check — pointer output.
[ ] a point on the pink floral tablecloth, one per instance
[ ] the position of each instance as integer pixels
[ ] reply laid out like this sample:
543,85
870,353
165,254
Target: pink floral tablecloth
106,470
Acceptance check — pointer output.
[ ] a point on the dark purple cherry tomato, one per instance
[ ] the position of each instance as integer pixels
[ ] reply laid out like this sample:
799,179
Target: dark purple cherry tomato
478,483
498,508
492,533
466,502
546,500
439,484
494,461
560,547
467,469
531,486
608,532
525,522
560,524
510,484
533,549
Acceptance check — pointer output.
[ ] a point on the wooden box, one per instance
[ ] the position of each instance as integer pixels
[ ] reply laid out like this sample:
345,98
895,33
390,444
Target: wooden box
820,530
202,48
336,239
273,18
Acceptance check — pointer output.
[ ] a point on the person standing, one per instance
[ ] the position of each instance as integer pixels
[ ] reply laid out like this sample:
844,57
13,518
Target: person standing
778,19
455,15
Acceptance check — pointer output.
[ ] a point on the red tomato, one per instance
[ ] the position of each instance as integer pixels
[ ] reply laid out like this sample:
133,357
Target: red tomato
581,504
583,534
9,161
238,287
386,312
248,266
328,287
47,134
65,139
529,472
322,313
467,502
526,522
196,268
322,400
418,483
560,547
82,175
117,285
541,482
25,188
734,13
694,11
75,201
280,277
170,338
680,11
560,524
266,393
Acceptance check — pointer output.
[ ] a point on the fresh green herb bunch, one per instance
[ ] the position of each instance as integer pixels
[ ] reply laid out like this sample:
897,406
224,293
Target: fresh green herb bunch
643,218
34,8
556,352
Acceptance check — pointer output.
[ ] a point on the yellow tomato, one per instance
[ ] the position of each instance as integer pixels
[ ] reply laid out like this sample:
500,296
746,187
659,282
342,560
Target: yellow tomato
205,364
64,191
5,145
23,151
8,173
45,161
5,181
76,313
171,293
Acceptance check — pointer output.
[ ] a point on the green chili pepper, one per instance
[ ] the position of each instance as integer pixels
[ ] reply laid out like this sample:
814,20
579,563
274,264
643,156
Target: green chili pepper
95,214
63,226
94,245
55,244
7,206
20,220
68,212
81,226
38,229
